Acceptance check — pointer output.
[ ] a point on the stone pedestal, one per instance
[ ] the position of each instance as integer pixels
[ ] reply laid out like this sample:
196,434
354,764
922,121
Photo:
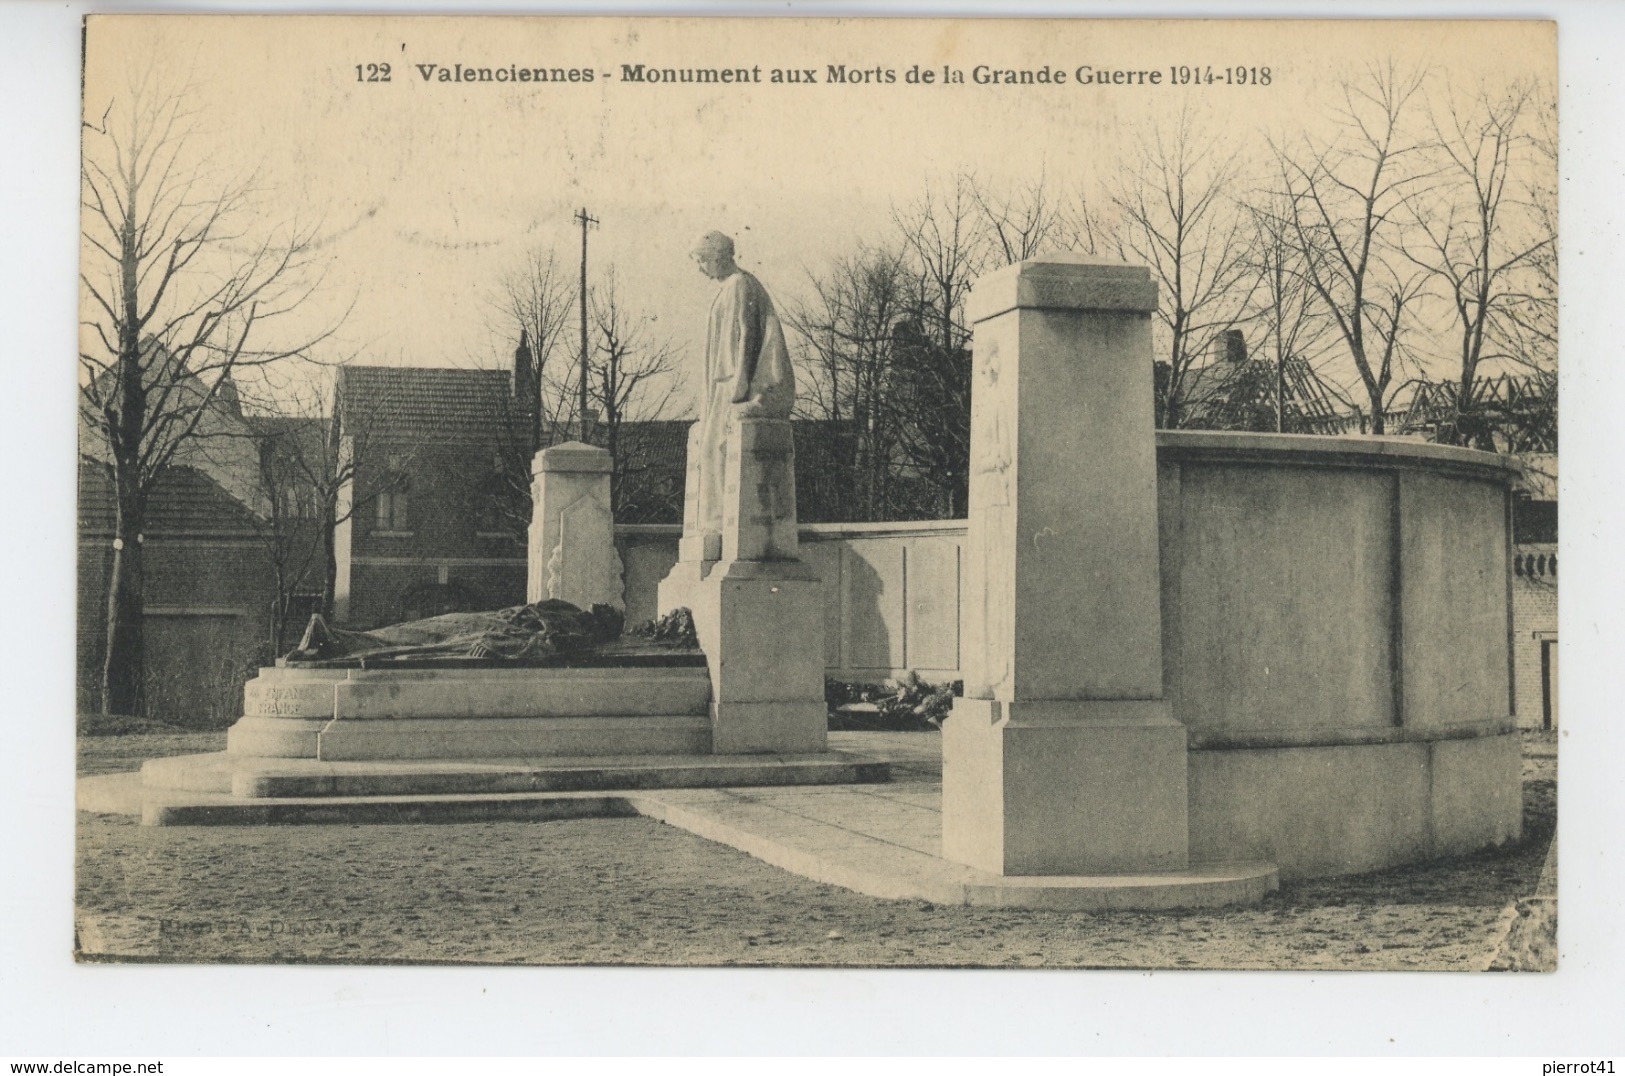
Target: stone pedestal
759,487
758,610
697,551
1064,787
1062,758
760,625
571,551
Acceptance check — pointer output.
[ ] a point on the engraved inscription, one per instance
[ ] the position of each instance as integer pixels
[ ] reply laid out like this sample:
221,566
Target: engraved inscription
290,700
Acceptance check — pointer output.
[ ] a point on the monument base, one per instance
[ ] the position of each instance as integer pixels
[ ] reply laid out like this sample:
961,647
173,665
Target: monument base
1064,787
767,679
465,710
680,588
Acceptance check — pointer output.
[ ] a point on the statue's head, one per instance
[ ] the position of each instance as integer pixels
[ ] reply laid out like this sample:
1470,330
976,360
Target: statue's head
715,255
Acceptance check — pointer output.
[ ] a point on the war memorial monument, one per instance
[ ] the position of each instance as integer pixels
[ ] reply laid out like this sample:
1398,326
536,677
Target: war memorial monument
1195,663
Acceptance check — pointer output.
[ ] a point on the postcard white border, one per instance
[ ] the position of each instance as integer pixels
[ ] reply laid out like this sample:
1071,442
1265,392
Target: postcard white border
52,1006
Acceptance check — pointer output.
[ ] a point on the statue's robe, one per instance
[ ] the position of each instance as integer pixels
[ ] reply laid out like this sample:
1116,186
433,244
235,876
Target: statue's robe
746,362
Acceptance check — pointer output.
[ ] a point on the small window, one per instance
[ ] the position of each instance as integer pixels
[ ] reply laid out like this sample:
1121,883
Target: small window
394,496
392,515
301,502
392,511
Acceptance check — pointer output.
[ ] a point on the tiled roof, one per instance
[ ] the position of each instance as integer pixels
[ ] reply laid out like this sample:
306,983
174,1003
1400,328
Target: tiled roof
283,426
184,502
223,445
421,402
654,445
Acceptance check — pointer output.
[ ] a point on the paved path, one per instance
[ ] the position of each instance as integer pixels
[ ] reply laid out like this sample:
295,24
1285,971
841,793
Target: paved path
883,840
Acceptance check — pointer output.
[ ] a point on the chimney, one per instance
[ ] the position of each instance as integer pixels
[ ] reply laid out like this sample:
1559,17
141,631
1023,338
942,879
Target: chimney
524,373
1234,343
226,394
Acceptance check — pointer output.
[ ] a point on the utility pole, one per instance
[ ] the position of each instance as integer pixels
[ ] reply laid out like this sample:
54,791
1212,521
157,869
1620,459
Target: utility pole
584,219
1280,386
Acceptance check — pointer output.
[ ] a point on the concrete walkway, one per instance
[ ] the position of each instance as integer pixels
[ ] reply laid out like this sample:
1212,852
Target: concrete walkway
883,840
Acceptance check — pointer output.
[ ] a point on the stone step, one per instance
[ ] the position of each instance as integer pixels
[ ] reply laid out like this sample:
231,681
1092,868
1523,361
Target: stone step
275,737
221,779
381,695
427,738
864,852
515,737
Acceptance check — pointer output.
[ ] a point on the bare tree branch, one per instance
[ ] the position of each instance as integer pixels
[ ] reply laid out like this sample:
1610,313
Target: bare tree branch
172,308
1345,201
1180,218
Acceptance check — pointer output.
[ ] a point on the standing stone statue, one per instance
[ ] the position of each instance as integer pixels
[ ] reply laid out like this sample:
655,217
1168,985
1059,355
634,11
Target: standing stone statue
747,374
758,609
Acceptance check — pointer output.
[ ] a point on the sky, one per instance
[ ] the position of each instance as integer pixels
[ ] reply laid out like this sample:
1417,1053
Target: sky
425,192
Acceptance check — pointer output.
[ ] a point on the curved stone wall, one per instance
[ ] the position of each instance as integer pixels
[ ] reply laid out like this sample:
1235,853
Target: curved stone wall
1336,636
1337,633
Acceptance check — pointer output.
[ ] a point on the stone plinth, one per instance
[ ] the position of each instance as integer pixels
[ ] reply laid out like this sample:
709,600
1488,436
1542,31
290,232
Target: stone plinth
759,516
571,552
474,713
1075,787
1063,758
696,543
761,625
758,610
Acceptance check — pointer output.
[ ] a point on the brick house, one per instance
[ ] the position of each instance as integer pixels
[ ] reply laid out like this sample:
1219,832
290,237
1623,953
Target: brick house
209,585
433,520
436,515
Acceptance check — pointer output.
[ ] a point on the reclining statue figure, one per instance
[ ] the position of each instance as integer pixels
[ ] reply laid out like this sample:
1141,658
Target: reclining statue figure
522,633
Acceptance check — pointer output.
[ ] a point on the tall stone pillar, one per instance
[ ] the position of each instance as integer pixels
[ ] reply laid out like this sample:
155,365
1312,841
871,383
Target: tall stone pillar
758,609
1062,758
571,554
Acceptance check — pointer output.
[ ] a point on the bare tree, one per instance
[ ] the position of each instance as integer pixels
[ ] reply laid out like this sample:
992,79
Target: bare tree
290,528
179,288
1346,201
952,234
503,498
1019,223
535,297
1471,234
1528,330
887,343
1180,218
930,397
1295,336
532,299
846,329
1087,224
943,235
633,375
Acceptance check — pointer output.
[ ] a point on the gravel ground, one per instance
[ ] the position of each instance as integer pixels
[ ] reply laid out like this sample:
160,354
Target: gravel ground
119,754
632,891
